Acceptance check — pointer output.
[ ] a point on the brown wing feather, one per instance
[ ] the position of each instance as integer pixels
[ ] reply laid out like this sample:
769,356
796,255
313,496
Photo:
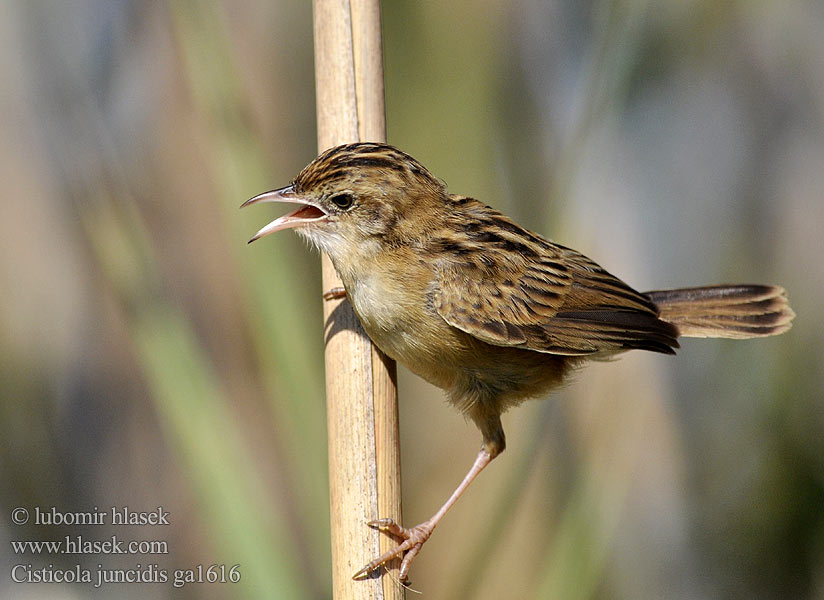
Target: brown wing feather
510,287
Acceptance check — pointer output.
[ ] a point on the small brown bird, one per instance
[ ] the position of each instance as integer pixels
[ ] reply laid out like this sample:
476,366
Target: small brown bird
479,306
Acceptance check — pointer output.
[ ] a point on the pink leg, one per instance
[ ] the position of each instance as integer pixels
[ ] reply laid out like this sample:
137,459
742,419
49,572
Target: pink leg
415,537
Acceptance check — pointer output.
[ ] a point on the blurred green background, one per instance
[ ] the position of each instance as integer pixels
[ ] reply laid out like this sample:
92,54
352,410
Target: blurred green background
149,357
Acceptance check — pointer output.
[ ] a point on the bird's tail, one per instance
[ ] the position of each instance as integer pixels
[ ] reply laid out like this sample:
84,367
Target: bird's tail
726,311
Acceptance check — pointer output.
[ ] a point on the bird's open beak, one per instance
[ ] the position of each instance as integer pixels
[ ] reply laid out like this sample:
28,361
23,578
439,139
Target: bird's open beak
307,213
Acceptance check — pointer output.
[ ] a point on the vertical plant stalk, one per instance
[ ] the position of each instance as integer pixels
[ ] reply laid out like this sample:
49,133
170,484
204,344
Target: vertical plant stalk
361,395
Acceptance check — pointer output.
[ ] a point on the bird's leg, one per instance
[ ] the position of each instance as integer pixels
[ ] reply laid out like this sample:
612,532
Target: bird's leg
414,537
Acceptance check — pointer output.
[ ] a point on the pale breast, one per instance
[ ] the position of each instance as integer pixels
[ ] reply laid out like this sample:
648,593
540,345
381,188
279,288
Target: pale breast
396,312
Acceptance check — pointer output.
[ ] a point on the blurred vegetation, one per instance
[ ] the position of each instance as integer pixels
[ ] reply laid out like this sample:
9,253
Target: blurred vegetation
151,358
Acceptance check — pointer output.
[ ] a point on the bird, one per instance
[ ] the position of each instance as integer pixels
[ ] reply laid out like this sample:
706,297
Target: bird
479,306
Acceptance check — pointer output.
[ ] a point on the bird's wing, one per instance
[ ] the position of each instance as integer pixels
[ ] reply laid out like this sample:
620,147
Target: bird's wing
509,287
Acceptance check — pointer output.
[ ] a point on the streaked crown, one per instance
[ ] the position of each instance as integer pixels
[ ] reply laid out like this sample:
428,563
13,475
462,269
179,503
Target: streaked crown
364,165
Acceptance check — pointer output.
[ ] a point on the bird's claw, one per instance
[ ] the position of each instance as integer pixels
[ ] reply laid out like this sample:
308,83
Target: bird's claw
413,540
389,526
336,293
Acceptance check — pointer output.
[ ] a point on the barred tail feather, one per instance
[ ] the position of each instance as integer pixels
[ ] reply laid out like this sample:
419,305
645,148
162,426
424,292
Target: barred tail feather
726,311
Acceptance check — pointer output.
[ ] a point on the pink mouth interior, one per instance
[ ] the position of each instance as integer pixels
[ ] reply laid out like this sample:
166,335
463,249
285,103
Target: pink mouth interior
302,216
307,211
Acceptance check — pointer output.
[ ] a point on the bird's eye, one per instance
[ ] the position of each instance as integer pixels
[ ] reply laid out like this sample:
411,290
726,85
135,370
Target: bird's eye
342,201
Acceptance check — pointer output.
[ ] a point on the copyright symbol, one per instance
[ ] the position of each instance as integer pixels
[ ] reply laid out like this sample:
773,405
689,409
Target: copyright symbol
20,516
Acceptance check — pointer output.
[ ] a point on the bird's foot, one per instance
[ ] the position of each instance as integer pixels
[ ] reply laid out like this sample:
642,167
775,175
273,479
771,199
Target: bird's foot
413,539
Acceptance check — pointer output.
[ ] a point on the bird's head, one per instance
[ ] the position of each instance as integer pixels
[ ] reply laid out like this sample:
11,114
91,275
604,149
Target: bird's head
357,196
